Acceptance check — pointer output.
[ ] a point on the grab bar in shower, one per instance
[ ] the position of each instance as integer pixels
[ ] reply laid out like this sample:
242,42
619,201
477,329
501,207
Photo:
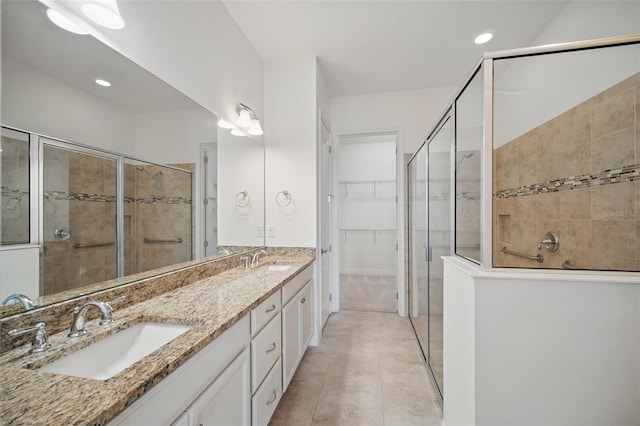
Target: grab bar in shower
78,245
538,258
568,264
171,240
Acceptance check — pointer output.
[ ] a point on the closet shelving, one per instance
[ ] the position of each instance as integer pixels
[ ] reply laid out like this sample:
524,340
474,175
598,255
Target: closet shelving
373,232
369,190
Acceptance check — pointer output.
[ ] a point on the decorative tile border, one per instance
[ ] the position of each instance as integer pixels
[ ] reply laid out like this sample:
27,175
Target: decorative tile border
592,180
62,195
168,200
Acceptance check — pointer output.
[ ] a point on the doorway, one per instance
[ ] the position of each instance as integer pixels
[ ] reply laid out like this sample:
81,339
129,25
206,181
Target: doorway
367,221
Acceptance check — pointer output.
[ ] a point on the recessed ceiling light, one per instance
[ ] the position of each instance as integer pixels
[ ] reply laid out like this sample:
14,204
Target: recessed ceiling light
65,23
483,38
104,83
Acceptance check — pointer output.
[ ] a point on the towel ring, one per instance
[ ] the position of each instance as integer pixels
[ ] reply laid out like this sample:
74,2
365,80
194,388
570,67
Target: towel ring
287,198
242,199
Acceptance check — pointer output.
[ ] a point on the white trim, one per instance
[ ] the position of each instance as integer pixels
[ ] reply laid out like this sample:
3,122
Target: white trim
335,252
486,169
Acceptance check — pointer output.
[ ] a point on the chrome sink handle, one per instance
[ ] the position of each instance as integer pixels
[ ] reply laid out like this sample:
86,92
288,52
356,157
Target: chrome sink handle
79,315
40,342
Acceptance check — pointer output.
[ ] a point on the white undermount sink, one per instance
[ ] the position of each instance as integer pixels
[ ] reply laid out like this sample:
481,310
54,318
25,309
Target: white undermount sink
278,267
108,357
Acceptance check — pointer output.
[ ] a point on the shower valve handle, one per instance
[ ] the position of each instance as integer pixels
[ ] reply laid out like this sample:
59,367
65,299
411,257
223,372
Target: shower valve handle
551,242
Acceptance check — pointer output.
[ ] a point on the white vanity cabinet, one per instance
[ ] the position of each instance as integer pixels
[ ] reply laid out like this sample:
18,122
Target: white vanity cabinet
266,365
226,401
297,323
212,388
239,378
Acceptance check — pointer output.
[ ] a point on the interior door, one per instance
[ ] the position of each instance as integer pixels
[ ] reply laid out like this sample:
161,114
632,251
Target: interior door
326,222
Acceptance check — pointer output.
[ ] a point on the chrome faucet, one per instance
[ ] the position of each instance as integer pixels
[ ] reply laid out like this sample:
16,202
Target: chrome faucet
79,314
19,298
40,342
255,259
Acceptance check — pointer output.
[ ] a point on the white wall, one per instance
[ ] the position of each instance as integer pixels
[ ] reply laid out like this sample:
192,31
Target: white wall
532,90
240,168
17,271
459,345
171,137
414,112
290,142
45,105
548,348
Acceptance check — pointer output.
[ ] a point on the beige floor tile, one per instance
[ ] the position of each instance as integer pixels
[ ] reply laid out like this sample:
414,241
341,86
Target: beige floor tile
297,404
281,423
358,407
368,370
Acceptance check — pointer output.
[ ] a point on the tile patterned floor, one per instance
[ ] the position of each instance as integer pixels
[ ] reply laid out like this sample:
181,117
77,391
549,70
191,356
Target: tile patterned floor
366,371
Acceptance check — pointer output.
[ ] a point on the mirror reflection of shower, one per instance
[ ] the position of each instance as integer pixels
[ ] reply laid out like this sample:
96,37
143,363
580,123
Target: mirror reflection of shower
157,185
464,157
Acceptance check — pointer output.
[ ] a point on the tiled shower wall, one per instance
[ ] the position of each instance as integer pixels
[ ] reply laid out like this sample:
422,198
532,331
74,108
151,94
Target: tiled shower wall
14,202
157,210
81,194
578,175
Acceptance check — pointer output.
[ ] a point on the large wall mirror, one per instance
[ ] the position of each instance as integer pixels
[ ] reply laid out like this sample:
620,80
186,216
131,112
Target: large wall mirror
104,185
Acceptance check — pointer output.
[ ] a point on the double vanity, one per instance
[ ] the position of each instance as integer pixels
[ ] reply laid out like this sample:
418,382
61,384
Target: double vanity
216,350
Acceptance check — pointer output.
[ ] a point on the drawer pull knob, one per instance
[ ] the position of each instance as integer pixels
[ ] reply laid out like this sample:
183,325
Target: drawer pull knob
272,348
304,299
273,398
271,309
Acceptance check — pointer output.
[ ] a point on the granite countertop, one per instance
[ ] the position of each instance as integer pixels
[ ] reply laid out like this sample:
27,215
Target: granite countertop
209,306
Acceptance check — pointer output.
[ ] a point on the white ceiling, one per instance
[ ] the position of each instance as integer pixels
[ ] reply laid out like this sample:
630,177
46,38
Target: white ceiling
30,38
381,46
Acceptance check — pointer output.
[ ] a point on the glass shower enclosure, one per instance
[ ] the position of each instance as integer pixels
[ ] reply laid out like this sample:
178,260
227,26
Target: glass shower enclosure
534,165
96,215
430,238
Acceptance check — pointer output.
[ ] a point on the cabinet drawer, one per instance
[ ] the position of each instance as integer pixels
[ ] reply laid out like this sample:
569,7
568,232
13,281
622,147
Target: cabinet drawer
292,287
264,312
265,401
265,351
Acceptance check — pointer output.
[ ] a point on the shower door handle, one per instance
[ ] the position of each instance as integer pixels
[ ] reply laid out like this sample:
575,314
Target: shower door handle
428,253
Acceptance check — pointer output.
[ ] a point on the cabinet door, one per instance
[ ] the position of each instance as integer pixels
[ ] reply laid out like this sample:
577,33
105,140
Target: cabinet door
290,340
227,400
306,318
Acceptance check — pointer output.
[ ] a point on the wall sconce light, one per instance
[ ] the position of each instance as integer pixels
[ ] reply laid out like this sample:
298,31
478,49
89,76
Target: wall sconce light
102,12
65,23
224,124
237,132
105,13
247,122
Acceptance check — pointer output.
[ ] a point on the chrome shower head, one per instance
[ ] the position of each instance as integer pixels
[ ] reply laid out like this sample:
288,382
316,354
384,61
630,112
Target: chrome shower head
464,157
